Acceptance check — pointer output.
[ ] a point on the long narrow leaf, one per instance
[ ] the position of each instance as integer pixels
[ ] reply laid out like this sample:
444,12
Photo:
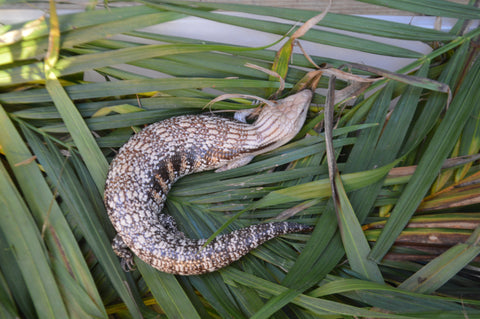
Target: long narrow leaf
432,7
105,89
318,36
58,236
438,149
7,305
317,306
137,18
23,236
339,21
75,199
168,292
437,272
81,135
354,241
59,127
321,188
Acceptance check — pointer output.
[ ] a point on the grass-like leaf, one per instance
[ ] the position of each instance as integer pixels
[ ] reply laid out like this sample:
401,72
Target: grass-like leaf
439,148
405,147
21,232
436,273
432,7
168,292
340,21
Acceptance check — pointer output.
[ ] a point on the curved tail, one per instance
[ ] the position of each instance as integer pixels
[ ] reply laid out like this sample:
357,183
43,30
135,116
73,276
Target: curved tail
195,258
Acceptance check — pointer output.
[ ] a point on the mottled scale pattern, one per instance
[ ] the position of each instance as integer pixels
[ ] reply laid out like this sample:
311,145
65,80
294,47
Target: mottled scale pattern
145,168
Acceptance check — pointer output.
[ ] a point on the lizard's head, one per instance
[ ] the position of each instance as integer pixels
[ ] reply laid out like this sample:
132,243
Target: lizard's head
279,122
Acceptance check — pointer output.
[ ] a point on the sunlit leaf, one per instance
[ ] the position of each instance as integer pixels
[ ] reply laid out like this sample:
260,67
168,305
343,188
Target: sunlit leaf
405,146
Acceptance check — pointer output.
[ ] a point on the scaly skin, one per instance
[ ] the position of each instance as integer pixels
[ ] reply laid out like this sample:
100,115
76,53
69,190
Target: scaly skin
145,168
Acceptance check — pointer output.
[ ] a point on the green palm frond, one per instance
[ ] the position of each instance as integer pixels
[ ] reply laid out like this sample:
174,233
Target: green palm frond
406,148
